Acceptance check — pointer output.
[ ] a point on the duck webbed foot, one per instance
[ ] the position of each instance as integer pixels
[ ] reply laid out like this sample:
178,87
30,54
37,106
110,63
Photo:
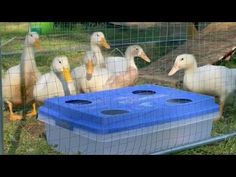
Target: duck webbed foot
33,112
12,116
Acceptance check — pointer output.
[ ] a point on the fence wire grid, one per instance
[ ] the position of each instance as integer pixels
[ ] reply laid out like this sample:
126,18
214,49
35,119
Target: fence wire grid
117,87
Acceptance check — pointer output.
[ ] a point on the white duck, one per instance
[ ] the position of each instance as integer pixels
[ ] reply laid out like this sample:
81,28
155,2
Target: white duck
98,78
93,77
27,72
124,70
58,82
209,79
97,40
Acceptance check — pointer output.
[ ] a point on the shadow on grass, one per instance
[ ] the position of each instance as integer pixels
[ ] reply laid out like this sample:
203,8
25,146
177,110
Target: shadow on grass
18,131
15,144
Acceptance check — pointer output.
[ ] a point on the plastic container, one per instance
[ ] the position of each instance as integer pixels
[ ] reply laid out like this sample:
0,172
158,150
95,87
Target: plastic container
132,120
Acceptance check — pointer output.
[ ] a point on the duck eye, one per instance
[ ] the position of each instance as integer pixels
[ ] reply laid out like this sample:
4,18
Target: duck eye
31,35
59,61
182,59
137,49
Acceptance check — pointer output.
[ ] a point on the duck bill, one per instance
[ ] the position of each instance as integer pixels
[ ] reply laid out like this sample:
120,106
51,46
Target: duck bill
37,44
104,43
89,69
67,75
144,57
174,69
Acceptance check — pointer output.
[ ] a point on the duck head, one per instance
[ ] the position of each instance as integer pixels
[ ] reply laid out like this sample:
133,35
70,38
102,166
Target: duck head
98,38
137,51
32,39
60,65
184,61
89,60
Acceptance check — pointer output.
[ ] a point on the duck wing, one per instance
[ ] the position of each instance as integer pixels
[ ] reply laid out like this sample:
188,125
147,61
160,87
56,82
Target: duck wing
123,79
116,65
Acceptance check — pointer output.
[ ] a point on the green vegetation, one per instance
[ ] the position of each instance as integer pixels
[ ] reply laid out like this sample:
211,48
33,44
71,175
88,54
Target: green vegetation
72,39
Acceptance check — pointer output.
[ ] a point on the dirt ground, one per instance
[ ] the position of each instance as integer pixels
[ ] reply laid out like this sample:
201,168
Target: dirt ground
208,46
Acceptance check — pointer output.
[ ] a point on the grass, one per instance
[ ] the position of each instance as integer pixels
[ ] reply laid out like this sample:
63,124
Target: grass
75,37
27,137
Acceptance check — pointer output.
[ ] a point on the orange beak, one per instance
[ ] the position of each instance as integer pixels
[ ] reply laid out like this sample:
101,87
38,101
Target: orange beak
67,75
174,69
89,67
104,43
144,57
37,44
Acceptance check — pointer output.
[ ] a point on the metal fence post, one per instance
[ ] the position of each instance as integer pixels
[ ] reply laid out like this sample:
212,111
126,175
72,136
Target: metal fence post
1,105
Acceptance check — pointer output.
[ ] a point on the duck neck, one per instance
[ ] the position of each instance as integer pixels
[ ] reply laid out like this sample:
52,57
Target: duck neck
96,49
191,69
68,87
28,60
130,59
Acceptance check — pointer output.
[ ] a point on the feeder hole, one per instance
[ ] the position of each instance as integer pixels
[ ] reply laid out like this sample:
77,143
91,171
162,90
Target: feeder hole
179,101
114,112
144,92
79,102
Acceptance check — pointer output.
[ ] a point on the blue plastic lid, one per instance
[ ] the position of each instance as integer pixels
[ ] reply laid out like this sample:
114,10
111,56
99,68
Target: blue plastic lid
126,108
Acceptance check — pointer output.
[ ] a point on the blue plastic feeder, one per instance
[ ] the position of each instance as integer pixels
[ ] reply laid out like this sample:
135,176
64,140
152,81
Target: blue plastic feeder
133,120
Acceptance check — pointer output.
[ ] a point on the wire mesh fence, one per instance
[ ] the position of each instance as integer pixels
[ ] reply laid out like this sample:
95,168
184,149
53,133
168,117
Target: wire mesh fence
103,88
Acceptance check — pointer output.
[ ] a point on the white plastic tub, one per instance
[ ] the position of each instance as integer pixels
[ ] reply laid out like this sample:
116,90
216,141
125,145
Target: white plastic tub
139,141
134,120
